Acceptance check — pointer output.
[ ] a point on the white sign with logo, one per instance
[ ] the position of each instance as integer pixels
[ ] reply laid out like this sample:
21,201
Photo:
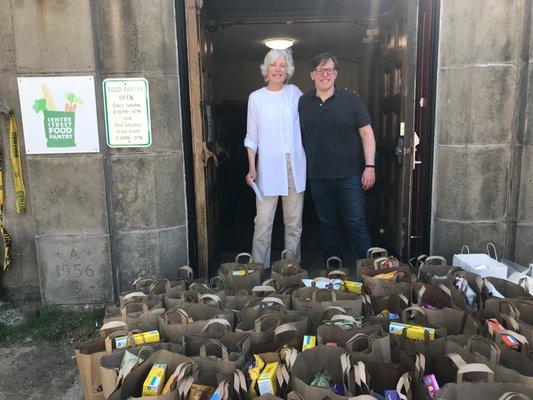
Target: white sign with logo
59,114
127,112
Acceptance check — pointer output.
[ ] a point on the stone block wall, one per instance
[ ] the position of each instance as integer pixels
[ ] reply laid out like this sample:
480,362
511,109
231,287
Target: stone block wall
481,167
96,221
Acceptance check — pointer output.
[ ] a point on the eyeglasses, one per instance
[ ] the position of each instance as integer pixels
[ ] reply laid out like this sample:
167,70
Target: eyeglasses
328,71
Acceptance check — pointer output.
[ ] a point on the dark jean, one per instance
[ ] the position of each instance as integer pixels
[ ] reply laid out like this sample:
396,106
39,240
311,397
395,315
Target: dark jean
345,195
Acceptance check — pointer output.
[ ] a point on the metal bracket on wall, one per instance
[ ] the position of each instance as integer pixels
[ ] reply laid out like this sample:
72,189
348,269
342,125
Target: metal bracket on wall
207,154
5,109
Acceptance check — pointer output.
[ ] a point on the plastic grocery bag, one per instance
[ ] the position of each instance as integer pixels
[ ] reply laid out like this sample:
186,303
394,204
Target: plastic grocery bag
480,263
520,275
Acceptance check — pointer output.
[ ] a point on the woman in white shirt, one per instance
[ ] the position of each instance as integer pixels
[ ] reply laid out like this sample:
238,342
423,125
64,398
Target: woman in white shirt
273,134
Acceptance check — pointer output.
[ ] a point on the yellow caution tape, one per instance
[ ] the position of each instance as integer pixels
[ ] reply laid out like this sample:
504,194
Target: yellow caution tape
16,165
6,238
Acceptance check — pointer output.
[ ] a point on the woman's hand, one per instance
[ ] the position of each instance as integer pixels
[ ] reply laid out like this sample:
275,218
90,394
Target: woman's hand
368,178
251,177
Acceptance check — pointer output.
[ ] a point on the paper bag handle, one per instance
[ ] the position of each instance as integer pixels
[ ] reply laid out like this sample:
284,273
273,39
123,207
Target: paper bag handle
200,288
329,291
494,356
214,342
263,289
223,323
149,278
287,268
376,252
188,271
513,310
333,258
419,260
358,338
513,396
212,297
158,282
287,251
414,310
465,247
474,367
337,272
244,254
124,308
334,308
491,246
284,328
218,279
404,383
258,325
184,316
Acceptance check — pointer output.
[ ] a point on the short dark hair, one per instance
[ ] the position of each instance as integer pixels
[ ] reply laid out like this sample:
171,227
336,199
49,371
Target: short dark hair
323,57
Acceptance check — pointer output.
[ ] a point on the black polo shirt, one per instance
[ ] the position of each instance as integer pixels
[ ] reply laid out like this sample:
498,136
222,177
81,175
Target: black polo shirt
330,133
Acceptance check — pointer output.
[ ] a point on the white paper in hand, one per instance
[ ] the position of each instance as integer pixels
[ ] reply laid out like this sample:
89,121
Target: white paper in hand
257,191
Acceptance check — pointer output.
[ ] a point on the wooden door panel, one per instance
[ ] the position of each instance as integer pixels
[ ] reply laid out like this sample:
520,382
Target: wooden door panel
199,49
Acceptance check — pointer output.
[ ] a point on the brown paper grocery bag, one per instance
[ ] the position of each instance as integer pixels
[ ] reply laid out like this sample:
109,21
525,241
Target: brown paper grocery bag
88,357
131,387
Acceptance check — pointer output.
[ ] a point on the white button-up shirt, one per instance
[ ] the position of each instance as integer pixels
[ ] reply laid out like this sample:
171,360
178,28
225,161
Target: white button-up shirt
273,130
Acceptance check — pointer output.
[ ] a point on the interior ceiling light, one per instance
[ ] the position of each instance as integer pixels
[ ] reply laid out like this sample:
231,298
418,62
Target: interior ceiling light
279,44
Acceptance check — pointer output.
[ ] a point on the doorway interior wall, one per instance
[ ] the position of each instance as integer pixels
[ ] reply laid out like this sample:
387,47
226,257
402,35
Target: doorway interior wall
376,43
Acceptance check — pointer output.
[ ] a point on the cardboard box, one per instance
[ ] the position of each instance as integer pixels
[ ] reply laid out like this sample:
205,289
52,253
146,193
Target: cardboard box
352,287
268,382
309,342
140,338
414,332
431,384
154,382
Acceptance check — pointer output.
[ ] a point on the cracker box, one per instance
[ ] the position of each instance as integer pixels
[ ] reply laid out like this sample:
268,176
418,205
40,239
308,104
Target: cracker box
140,338
431,384
267,382
309,342
154,382
414,332
352,287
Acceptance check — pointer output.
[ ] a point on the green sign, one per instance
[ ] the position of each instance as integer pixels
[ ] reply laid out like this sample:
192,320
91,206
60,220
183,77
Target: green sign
58,125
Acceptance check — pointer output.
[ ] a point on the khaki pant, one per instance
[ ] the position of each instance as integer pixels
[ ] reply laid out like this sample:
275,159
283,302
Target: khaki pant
293,205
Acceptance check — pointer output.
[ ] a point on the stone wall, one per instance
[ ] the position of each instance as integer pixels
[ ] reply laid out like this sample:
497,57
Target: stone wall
524,226
112,215
481,153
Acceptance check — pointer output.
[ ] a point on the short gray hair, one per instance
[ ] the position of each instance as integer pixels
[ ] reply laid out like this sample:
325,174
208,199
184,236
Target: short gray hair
273,55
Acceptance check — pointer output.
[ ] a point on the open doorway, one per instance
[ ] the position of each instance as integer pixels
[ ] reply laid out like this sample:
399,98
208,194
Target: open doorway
376,44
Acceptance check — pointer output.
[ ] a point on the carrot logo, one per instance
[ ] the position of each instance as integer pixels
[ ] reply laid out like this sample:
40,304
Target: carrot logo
58,125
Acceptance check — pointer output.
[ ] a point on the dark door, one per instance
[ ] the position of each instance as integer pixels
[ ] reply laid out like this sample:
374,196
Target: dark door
395,136
421,207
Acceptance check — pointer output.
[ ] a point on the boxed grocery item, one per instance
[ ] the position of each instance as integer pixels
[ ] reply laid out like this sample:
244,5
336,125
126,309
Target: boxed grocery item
309,342
352,287
140,338
431,384
153,384
268,382
414,332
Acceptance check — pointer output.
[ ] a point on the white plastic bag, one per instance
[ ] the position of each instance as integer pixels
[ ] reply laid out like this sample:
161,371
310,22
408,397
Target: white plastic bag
480,263
520,275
